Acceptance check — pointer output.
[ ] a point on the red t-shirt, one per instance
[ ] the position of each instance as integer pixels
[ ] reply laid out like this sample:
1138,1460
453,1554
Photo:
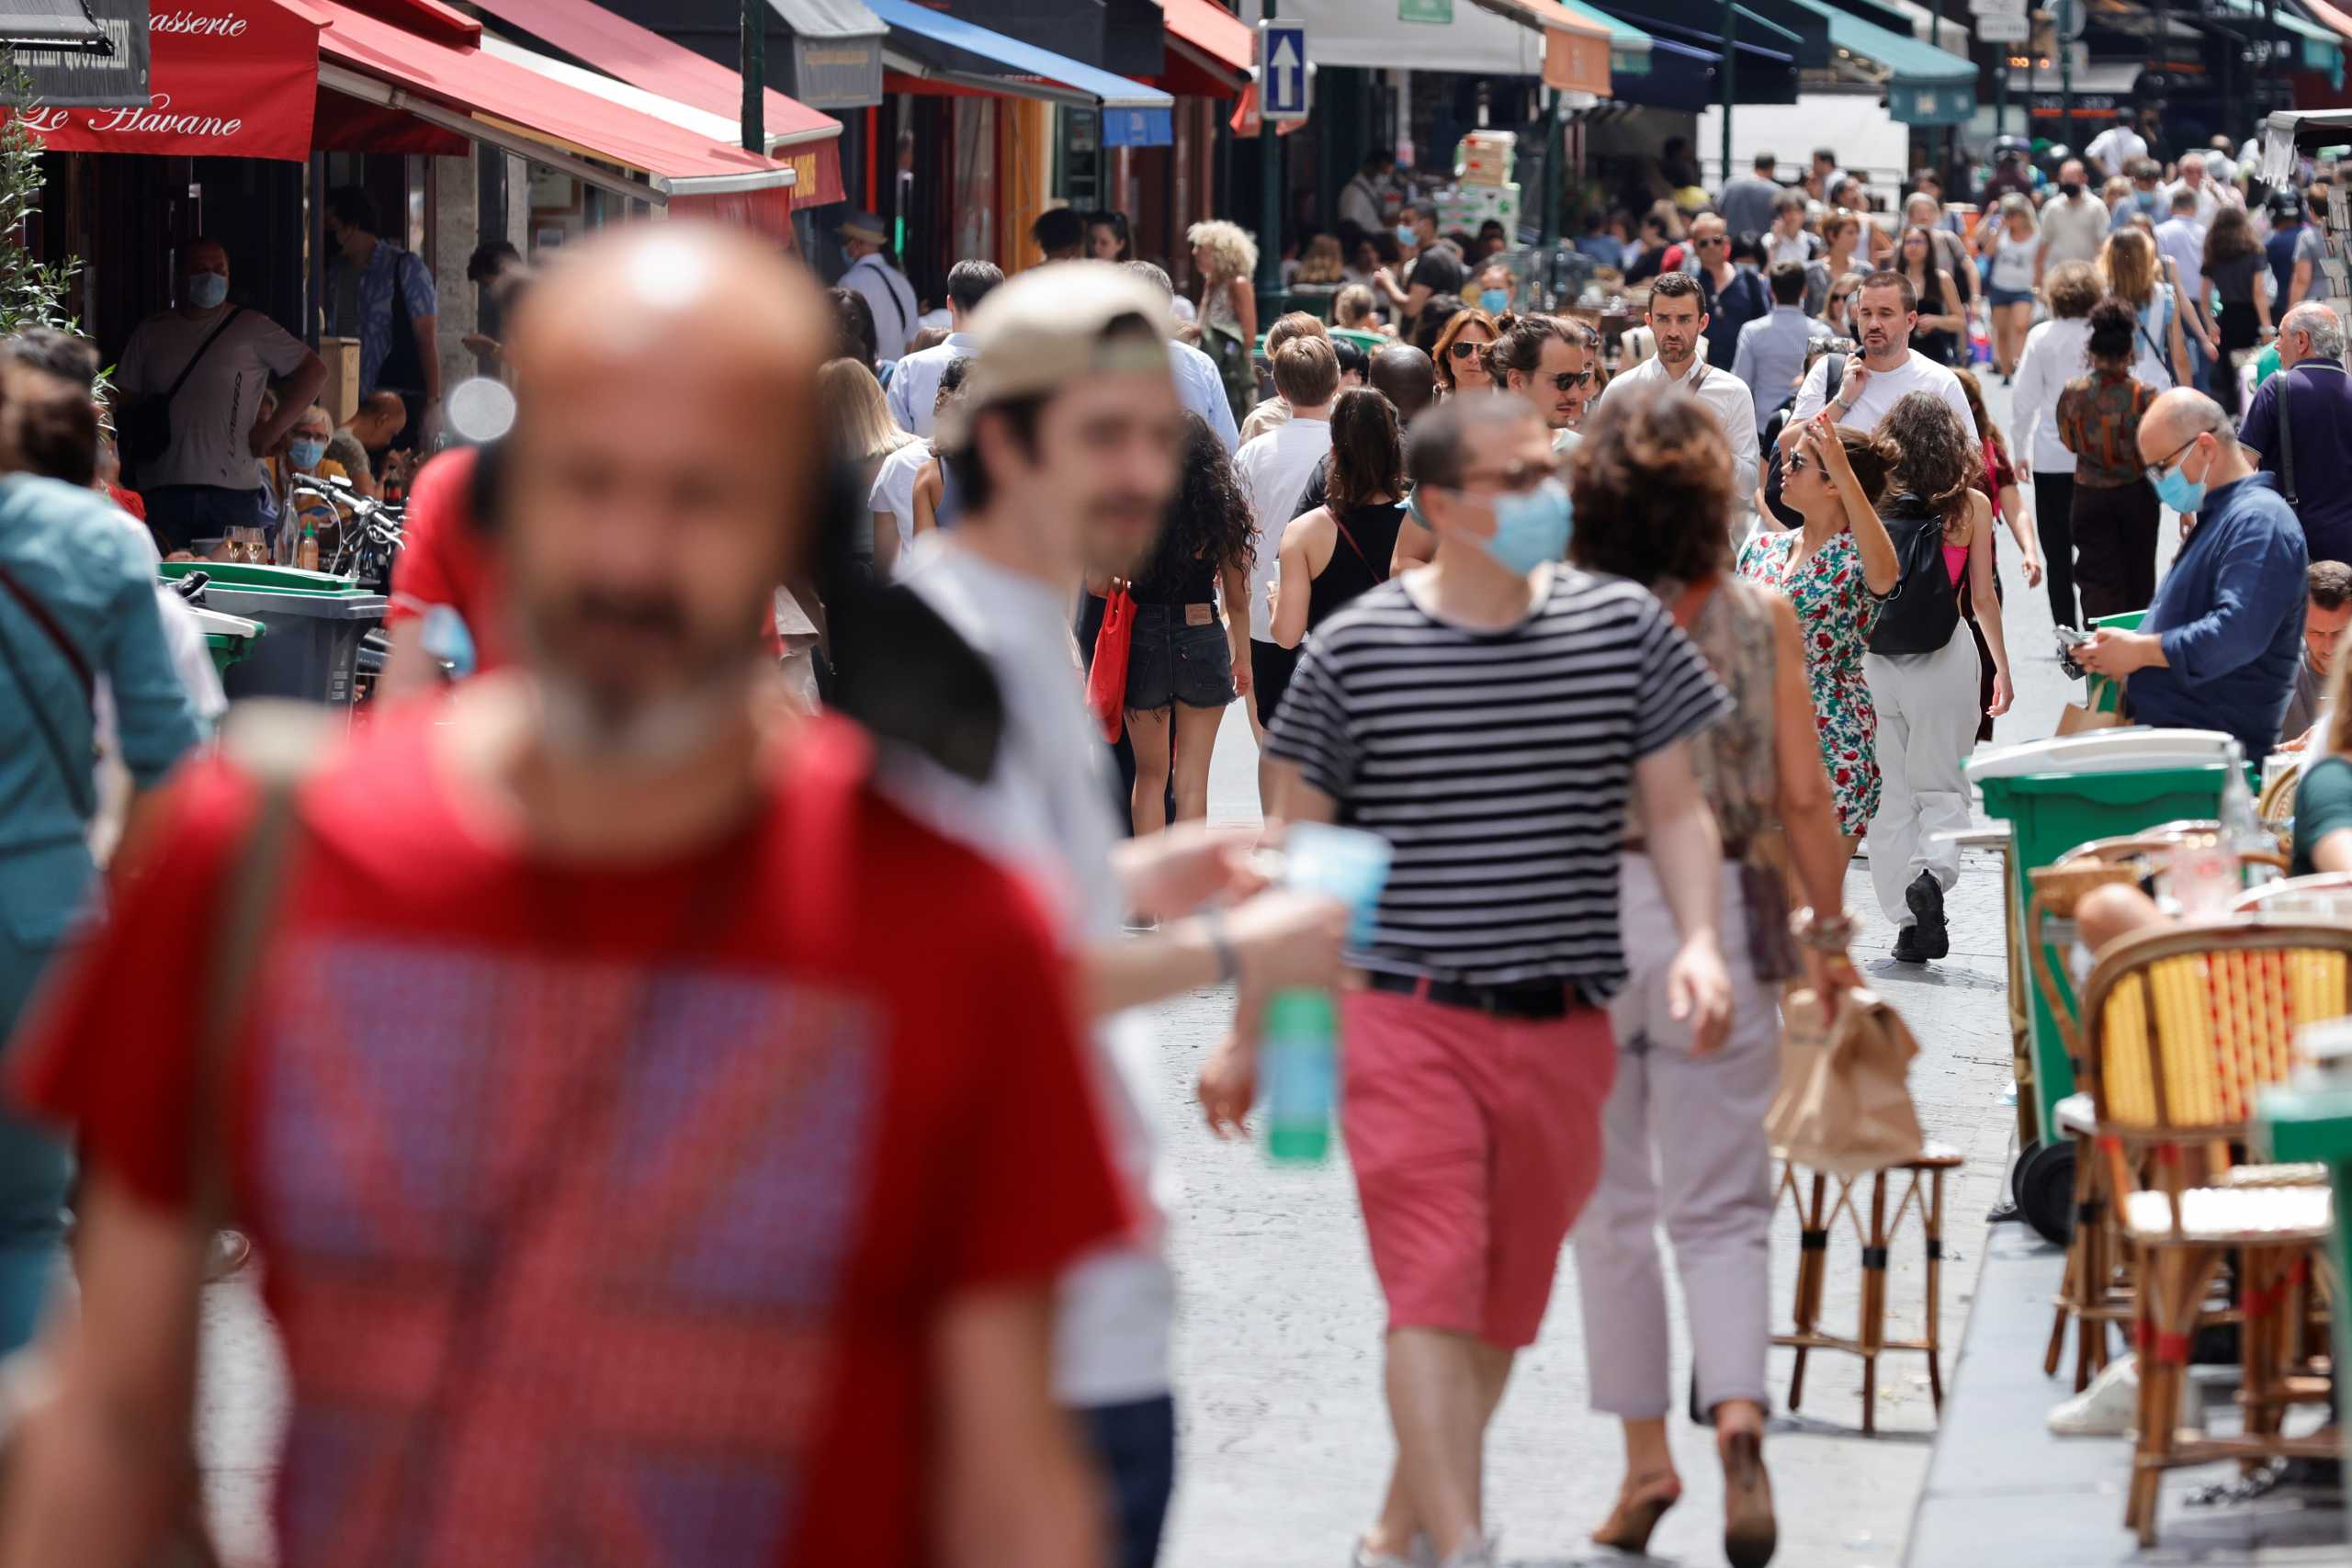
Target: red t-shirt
608,1206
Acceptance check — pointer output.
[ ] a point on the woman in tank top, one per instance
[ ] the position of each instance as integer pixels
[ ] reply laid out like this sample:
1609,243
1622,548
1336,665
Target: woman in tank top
1939,331
1342,547
1651,484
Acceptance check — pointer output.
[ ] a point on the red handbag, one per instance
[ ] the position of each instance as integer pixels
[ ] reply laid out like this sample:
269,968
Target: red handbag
1106,677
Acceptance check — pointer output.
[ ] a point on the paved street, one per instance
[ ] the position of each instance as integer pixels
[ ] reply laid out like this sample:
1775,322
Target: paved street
1285,1437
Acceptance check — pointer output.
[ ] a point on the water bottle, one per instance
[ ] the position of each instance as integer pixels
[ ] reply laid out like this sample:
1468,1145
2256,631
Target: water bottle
1300,1061
2242,828
1299,1057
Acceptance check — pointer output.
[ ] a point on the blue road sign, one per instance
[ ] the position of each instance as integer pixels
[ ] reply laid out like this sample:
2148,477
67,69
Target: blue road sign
1282,70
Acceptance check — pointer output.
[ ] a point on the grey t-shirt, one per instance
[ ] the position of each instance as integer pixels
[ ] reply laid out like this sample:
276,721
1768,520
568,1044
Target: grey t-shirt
213,418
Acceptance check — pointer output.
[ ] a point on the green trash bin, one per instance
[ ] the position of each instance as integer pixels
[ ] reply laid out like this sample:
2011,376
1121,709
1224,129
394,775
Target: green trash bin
2296,1125
228,637
312,622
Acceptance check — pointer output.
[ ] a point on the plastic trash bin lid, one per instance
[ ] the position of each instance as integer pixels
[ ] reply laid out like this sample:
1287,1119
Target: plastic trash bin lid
217,623
263,602
2131,749
266,578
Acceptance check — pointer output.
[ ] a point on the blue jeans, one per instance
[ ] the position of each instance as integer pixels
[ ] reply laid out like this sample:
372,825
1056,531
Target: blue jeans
36,1173
2201,364
1135,1446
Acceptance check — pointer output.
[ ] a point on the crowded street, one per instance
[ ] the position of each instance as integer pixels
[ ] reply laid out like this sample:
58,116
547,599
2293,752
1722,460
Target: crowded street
1175,783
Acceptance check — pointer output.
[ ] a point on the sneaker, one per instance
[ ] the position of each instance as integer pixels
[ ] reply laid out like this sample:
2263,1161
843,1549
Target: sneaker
1907,946
2106,1409
1421,1556
1926,899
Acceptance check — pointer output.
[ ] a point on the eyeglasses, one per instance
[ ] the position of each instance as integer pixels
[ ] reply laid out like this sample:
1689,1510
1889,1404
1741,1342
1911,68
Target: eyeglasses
1795,465
1463,348
1567,380
1517,480
2156,470
1714,240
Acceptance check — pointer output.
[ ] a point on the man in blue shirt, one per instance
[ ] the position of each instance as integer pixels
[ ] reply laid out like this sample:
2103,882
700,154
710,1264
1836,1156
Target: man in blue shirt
384,296
1730,296
1198,384
2318,395
1770,356
2218,647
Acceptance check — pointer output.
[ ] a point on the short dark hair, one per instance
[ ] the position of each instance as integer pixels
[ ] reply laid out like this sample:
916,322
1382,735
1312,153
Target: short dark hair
1765,163
68,357
1887,277
52,427
1058,228
1789,201
1825,155
1519,346
951,380
1651,481
1433,453
2329,583
962,463
1676,286
970,282
1787,283
352,206
1351,357
490,259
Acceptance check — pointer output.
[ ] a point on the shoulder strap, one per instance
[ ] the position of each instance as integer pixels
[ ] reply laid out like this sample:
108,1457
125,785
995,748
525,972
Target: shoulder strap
80,787
31,603
2286,440
1378,575
201,349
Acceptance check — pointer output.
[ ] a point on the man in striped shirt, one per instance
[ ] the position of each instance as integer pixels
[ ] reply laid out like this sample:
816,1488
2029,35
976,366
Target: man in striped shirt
1490,714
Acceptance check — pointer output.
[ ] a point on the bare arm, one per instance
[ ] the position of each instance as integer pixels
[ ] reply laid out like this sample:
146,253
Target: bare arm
2299,285
2334,851
1686,850
428,354
1414,546
105,1466
2179,343
301,389
1233,589
1949,320
1985,596
2019,518
1294,585
1245,309
885,541
1880,570
1013,1487
2262,297
1807,809
929,488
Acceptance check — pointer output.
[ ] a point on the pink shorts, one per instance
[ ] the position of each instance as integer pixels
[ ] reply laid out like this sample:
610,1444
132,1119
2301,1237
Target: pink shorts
1476,1143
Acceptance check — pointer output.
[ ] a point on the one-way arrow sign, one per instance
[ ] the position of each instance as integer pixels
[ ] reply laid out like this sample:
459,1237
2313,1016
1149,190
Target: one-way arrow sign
1282,70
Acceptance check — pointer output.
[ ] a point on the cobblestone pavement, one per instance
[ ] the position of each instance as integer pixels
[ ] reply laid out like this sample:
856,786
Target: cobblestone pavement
1285,1436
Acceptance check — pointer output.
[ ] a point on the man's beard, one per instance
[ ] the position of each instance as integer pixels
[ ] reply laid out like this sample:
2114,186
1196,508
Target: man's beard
591,714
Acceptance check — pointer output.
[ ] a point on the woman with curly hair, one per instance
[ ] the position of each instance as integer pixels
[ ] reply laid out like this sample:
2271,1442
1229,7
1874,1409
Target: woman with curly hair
1835,570
1651,483
1345,546
1922,668
1225,256
1186,662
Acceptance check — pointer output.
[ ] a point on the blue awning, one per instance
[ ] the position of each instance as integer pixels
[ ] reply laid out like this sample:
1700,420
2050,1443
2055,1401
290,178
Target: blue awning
933,44
1907,62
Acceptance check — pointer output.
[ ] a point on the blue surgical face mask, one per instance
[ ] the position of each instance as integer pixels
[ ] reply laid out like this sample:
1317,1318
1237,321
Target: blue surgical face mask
207,289
1407,235
2174,489
305,454
1531,528
1494,301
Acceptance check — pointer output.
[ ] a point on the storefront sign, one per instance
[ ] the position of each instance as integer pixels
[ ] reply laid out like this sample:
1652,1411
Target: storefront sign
227,78
1931,106
837,72
1437,11
64,78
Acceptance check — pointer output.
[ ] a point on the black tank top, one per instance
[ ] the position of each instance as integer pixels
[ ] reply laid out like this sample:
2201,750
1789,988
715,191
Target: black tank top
1191,582
1373,527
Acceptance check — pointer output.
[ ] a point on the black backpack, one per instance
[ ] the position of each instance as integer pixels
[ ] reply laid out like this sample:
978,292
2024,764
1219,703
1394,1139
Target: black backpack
1782,513
1924,611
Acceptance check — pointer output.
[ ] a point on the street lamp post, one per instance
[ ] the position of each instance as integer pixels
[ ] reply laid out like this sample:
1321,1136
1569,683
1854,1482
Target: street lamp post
755,71
2066,75
1270,206
1730,74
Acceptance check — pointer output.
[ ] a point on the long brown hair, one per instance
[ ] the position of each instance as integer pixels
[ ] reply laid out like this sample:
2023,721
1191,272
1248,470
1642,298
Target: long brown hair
1367,453
1938,463
1985,425
1442,350
2129,263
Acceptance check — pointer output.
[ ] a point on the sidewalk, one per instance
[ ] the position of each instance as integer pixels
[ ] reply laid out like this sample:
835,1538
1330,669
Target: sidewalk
2002,1490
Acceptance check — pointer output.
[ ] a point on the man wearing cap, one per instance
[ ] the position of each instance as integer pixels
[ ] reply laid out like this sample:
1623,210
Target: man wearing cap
865,240
1065,449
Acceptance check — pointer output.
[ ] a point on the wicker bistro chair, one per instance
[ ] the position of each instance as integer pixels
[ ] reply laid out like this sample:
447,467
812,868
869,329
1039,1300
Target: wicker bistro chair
2096,1288
2181,1026
2325,895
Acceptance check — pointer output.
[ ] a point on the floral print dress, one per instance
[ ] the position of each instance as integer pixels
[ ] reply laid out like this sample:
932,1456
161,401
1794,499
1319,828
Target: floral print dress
1836,611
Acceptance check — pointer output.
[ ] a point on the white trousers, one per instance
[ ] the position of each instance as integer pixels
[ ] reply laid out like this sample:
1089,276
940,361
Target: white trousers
1685,1145
1926,728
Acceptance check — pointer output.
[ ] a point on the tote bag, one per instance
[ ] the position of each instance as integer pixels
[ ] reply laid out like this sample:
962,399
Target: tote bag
1106,677
1845,1100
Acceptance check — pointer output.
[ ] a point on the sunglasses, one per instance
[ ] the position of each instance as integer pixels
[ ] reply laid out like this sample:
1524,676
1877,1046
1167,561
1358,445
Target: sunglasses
1567,380
1717,240
1796,463
1463,348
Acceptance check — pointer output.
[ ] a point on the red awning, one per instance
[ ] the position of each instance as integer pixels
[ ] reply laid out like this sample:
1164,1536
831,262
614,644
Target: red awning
227,79
497,101
796,134
1211,51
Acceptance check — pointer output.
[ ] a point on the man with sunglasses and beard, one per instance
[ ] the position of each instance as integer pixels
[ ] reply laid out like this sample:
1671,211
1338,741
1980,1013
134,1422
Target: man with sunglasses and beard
1678,321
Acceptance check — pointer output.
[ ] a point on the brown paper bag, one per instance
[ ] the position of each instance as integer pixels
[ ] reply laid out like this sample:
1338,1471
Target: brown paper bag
2075,718
1845,1100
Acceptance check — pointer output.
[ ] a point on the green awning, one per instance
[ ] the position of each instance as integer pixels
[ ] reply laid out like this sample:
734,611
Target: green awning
1907,62
1629,46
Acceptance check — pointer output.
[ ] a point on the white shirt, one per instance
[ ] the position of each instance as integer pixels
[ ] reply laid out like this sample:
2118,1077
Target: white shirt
1044,813
894,486
914,385
1274,469
1798,248
1726,397
2055,352
1359,204
890,297
2211,196
1881,389
2115,147
213,418
1203,391
2073,231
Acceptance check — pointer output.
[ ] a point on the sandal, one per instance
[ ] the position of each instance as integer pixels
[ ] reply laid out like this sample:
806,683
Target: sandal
1749,1532
1641,1502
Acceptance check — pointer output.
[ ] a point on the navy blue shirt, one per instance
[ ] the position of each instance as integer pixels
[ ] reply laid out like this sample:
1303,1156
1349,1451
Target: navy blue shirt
2230,616
2321,402
1747,297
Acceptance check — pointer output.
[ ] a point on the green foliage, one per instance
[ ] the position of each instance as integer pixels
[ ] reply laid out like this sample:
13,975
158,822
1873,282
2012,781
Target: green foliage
32,293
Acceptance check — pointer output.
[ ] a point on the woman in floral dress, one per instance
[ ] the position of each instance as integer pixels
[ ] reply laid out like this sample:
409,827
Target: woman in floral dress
1835,570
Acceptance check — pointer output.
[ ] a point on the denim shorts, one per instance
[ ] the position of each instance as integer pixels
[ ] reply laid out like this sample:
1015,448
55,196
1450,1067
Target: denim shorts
1171,662
2010,296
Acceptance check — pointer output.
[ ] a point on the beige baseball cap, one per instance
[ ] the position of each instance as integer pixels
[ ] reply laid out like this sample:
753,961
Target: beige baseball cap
1052,325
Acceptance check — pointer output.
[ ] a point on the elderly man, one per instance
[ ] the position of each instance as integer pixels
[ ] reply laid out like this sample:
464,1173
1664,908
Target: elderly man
2211,194
2220,643
1677,320
866,240
2309,451
2074,222
618,895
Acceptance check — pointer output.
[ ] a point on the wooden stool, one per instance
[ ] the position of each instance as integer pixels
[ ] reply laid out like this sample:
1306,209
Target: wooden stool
1819,1211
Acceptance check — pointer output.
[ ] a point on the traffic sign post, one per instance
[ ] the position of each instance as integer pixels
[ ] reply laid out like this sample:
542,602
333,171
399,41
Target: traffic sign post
1282,70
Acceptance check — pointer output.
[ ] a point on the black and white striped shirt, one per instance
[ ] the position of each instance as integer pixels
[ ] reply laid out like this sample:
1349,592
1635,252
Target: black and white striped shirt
1498,765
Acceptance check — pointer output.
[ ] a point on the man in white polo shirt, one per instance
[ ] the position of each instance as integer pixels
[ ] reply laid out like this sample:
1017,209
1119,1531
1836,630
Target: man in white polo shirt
1678,324
1885,310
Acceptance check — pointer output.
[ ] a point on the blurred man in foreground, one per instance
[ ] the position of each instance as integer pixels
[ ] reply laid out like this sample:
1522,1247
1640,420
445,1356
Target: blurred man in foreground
615,1187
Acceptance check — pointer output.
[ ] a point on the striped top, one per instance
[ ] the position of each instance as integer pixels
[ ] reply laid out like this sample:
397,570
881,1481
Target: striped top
1498,765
